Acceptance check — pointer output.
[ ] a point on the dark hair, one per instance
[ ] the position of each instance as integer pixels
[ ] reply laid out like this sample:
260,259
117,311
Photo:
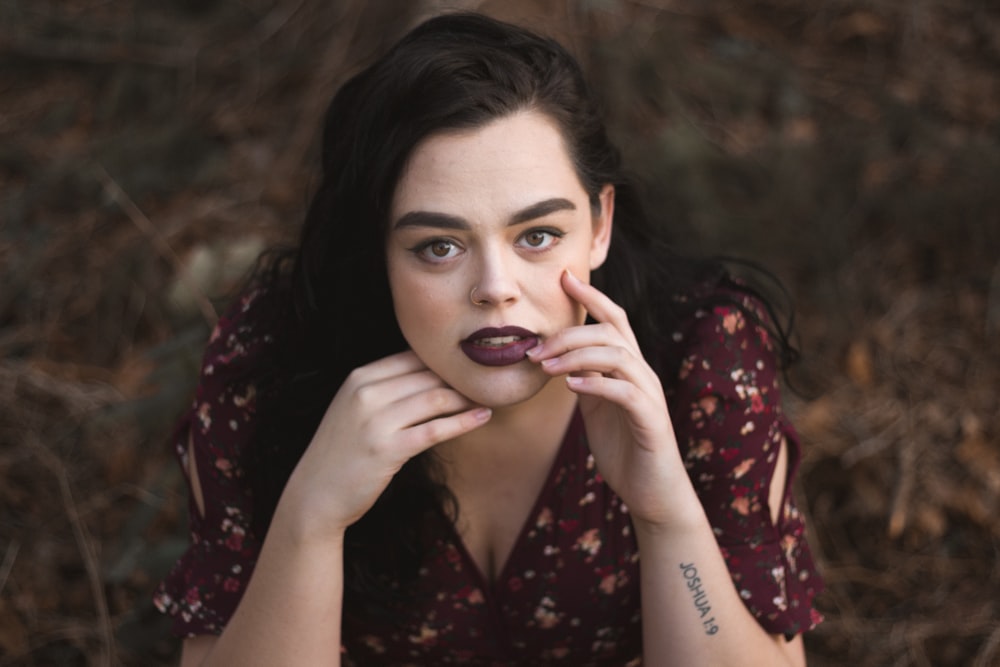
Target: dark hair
333,308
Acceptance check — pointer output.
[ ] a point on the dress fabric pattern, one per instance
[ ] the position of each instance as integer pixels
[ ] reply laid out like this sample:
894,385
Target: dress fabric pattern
569,591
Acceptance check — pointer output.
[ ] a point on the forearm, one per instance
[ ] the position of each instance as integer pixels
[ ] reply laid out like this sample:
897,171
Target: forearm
692,613
291,611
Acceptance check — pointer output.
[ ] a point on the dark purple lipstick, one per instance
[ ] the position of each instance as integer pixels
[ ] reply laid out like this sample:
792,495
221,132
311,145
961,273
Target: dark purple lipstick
499,346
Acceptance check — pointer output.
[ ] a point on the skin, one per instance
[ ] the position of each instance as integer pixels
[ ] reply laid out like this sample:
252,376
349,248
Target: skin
474,210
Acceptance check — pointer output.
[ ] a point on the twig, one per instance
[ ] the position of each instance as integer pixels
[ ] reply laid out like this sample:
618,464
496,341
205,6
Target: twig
900,510
986,654
8,562
77,397
58,469
146,226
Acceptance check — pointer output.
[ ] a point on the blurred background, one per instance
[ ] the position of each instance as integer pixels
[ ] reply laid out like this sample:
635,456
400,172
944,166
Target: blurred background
149,149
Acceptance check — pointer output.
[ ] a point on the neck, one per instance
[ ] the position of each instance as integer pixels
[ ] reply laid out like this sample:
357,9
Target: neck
515,435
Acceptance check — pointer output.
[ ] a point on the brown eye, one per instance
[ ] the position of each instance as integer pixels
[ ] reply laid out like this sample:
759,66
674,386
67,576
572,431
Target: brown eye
539,239
435,250
441,248
535,239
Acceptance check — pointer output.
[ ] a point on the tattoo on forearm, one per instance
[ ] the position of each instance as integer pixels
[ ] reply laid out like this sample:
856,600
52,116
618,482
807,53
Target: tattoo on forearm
690,573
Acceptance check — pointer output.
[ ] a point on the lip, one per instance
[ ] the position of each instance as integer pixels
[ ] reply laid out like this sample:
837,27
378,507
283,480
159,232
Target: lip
504,354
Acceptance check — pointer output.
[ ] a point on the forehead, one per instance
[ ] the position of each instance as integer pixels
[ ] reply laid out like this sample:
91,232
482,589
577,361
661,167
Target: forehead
510,162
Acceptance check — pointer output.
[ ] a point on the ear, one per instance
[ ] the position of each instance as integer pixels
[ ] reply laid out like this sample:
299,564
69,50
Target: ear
603,222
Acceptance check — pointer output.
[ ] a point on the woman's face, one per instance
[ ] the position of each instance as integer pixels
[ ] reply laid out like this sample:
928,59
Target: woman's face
483,224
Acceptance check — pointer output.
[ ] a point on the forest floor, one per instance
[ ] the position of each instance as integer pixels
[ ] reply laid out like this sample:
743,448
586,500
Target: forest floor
150,150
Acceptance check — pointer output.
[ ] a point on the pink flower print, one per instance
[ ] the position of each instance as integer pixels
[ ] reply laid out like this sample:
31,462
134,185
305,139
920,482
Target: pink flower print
732,321
708,404
205,416
589,542
702,450
607,585
756,403
244,400
515,584
374,643
427,636
231,585
740,390
544,518
741,505
235,539
470,595
780,601
225,466
545,614
743,468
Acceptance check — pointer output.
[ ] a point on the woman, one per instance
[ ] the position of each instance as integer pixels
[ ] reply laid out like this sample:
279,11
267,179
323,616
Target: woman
438,432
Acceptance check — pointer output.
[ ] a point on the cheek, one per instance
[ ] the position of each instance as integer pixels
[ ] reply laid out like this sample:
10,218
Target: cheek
420,308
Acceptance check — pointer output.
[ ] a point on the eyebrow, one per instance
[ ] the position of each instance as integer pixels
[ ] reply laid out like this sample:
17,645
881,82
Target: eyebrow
446,221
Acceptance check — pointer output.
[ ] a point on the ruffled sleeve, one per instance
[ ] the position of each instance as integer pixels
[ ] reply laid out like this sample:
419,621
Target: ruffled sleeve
202,590
727,415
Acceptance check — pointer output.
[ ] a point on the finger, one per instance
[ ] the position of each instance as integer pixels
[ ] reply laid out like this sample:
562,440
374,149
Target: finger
643,414
588,335
425,406
598,305
386,367
614,361
427,434
617,391
373,396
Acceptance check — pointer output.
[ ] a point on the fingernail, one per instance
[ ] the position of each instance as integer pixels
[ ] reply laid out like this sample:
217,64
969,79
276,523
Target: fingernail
482,414
535,351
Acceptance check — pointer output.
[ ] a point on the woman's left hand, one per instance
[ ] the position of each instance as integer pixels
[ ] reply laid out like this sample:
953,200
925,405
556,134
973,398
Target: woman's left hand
622,403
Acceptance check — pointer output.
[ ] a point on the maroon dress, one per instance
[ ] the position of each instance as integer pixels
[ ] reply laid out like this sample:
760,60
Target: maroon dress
569,591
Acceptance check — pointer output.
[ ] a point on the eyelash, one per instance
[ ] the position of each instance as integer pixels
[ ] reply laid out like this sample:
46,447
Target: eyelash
421,250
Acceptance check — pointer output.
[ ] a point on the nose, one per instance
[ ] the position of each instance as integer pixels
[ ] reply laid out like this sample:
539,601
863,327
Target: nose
496,282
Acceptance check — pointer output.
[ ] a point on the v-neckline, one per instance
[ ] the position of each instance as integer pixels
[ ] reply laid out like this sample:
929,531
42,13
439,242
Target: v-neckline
490,588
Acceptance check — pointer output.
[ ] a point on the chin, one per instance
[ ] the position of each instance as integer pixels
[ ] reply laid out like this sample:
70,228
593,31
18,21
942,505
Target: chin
504,392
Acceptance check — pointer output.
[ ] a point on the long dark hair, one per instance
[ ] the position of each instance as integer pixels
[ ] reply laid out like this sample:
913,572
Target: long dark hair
332,305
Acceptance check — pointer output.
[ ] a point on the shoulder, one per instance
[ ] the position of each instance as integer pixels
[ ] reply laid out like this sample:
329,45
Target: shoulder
235,358
242,331
724,333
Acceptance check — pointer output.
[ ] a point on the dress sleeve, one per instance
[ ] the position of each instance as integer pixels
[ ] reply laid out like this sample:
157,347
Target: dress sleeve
727,415
202,590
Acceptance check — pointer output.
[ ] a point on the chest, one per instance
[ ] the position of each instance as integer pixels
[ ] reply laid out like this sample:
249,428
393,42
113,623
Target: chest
567,592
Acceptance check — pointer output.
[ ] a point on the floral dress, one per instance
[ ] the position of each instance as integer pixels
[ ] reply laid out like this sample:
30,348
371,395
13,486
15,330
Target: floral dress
568,593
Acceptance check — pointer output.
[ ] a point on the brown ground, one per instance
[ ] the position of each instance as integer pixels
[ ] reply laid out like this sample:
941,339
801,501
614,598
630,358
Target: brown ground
148,149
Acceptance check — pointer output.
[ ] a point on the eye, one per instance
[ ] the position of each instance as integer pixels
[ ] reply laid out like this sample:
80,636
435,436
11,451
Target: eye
435,250
539,239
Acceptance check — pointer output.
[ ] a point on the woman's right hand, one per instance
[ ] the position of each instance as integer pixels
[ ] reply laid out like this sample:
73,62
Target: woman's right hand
384,414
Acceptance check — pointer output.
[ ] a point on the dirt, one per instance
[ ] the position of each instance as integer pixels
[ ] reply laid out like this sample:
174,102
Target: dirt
148,151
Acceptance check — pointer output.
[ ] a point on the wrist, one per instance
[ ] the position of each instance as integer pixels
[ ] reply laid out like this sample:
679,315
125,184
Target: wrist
300,525
684,517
